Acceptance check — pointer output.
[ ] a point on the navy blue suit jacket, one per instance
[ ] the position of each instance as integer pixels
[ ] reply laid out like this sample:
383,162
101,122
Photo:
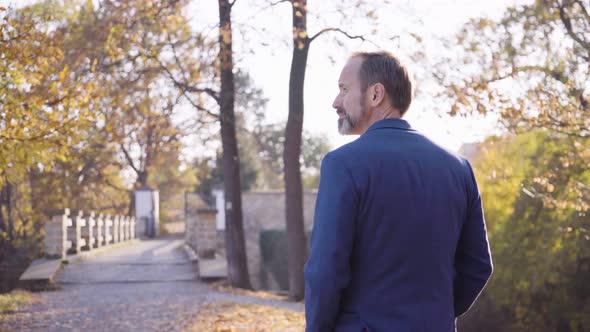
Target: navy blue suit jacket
399,240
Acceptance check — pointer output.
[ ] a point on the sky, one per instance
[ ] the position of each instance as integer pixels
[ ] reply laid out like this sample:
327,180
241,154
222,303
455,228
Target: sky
262,44
431,19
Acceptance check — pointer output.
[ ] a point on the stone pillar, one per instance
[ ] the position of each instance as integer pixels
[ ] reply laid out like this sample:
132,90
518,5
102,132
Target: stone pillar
88,231
116,229
56,235
132,228
75,232
98,231
108,226
190,232
206,233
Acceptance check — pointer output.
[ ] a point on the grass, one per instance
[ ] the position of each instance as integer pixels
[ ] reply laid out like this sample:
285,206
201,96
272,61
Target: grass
12,301
234,317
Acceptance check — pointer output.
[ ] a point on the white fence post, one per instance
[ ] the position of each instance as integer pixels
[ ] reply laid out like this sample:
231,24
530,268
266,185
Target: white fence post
98,231
108,225
88,231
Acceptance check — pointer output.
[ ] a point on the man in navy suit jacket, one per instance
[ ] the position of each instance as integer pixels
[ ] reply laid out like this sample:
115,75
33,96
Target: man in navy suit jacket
399,240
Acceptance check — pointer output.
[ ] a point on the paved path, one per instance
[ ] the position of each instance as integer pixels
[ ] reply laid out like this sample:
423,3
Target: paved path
148,286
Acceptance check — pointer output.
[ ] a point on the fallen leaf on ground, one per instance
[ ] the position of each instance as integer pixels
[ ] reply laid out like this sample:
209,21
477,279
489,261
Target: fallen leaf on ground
234,317
223,286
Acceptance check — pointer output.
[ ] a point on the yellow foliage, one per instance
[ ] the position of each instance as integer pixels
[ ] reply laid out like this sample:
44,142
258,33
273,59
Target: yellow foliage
220,317
43,104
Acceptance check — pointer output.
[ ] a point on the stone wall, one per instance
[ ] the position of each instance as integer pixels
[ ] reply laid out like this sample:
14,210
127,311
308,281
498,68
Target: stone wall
262,211
265,210
201,232
190,231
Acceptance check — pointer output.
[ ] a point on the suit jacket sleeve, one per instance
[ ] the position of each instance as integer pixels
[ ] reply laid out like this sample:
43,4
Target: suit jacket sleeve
473,261
327,271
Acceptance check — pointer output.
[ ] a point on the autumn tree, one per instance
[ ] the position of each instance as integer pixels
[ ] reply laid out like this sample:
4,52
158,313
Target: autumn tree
541,250
132,45
80,88
530,70
542,51
140,110
44,105
45,110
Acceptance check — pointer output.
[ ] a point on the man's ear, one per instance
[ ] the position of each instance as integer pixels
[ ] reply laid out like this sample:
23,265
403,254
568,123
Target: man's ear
376,94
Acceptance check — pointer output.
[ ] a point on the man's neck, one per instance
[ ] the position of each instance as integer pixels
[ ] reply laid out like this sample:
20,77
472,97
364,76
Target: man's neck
381,114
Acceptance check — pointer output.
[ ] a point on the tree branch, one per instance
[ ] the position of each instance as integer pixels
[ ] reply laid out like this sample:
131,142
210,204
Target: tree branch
570,30
547,71
176,59
584,10
260,10
108,182
117,63
348,35
129,159
184,86
193,89
277,2
42,136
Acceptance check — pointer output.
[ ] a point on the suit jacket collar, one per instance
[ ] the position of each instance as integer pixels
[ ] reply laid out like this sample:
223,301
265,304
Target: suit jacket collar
391,123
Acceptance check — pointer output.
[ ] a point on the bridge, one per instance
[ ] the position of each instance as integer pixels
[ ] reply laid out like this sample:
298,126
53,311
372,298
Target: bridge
99,275
71,235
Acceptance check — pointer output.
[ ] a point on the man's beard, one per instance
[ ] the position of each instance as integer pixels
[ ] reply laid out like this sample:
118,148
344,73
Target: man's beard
347,124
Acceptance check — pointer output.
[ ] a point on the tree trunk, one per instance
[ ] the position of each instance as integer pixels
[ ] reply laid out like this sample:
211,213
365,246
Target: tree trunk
296,242
142,178
234,230
3,225
131,206
7,198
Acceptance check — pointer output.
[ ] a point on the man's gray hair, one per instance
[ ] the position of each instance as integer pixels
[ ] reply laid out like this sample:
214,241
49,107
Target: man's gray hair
385,68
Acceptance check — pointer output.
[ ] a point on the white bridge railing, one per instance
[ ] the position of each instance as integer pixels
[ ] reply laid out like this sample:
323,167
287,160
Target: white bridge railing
77,231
